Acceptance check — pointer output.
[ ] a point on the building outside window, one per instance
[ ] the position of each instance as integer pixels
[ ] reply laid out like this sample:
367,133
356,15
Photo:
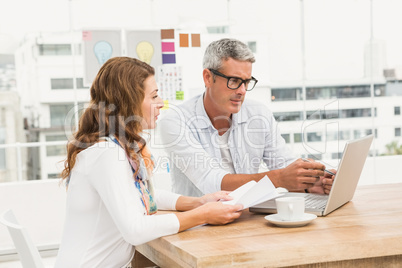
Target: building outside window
397,132
286,137
218,29
253,46
56,150
58,114
331,136
397,110
314,136
53,176
358,133
315,156
66,83
55,49
288,116
344,135
2,151
286,94
297,137
349,113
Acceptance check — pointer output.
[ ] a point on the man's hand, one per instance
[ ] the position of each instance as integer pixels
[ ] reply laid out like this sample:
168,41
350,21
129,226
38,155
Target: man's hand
301,175
324,185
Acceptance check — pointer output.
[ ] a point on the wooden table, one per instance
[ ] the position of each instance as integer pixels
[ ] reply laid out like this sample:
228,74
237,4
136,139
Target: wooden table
366,232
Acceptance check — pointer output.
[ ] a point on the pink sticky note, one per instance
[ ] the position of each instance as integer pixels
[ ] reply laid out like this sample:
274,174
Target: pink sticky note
87,36
167,46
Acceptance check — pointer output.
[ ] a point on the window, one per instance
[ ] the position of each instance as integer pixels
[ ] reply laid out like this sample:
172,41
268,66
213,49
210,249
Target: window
58,114
61,112
55,49
286,137
397,110
286,94
359,133
56,150
320,93
358,91
337,155
253,46
379,90
297,137
288,116
80,83
61,83
66,83
2,151
314,136
53,176
349,113
344,135
332,136
218,29
315,156
397,132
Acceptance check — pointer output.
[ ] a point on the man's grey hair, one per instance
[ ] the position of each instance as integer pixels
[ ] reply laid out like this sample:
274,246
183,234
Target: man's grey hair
223,49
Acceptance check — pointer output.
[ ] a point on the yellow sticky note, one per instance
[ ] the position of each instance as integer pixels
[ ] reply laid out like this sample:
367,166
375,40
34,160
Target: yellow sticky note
166,105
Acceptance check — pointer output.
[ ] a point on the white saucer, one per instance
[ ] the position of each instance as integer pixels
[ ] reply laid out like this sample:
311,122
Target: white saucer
274,218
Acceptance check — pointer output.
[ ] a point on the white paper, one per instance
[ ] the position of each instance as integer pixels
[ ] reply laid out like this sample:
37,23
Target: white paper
253,193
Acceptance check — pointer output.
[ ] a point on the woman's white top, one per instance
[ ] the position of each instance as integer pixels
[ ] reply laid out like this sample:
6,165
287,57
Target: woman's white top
104,214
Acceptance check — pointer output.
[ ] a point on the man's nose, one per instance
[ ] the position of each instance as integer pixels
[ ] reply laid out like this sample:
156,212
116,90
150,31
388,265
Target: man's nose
242,89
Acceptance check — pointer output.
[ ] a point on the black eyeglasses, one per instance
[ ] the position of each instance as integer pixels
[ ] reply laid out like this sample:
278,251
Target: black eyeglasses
235,82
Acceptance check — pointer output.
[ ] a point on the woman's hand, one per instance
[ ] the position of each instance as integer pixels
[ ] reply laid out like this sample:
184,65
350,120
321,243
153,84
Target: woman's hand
215,213
185,203
214,197
218,213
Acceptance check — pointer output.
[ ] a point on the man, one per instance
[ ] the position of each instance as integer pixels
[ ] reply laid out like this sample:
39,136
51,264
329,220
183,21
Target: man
217,141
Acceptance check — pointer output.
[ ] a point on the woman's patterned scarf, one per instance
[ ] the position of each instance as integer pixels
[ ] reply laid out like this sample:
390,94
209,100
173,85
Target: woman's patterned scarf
143,181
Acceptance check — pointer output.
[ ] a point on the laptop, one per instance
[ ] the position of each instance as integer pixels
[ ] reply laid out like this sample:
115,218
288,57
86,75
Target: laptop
343,188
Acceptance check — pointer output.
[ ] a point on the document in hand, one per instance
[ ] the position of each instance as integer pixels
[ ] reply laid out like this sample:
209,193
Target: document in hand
253,193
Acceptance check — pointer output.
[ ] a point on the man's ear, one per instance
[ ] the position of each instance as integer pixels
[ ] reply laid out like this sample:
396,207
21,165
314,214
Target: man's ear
207,76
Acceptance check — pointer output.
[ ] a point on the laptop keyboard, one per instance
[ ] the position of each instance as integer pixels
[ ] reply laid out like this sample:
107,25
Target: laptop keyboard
316,201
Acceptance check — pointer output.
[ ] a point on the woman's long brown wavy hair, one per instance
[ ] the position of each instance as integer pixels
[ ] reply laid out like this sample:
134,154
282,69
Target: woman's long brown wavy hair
115,109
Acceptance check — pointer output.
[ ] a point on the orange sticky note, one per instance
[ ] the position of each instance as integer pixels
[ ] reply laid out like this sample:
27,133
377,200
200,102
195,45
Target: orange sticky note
195,40
183,40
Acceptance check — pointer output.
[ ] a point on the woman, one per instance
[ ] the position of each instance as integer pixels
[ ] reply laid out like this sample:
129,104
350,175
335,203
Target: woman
108,173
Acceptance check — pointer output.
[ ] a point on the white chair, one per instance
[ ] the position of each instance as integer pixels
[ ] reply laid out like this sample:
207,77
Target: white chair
29,254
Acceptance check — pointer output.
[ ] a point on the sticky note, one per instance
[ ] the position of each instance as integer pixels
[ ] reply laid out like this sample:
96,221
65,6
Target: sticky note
183,40
195,40
168,58
87,36
179,95
166,105
167,34
167,46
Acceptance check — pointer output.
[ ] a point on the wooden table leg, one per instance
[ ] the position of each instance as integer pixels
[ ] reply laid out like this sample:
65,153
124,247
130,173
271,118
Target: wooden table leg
140,261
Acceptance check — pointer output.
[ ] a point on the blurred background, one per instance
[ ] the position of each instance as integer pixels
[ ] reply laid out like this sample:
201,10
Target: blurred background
330,70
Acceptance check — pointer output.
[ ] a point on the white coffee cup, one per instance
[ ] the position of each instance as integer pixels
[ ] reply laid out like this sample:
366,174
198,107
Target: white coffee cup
290,208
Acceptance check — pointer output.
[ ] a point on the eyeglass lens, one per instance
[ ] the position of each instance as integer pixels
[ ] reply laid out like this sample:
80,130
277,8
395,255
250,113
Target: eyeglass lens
235,83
